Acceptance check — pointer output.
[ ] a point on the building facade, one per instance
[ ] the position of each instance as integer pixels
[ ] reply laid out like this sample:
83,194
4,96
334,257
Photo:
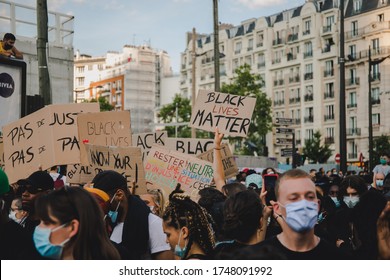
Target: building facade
296,52
129,80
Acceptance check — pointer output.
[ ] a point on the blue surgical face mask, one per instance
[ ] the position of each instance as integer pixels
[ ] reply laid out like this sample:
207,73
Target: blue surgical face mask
379,183
336,201
113,214
12,216
178,250
301,216
44,246
351,201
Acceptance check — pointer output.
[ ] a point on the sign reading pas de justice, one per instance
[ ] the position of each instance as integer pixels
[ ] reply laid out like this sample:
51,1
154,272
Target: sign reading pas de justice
232,114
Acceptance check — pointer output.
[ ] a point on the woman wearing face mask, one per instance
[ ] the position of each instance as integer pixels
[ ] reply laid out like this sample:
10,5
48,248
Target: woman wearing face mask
188,228
351,189
71,227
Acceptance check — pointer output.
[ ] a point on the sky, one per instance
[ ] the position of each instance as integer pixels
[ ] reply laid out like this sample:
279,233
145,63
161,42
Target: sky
107,25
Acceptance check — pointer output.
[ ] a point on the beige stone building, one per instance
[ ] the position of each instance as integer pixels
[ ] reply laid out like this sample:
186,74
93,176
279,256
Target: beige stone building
297,53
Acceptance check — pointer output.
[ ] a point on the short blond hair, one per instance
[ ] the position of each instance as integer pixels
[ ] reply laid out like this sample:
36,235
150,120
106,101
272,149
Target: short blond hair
291,174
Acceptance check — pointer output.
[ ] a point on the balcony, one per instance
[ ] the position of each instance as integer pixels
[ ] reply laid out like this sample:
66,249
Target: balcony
292,37
278,102
375,101
327,48
328,95
353,132
281,82
351,105
298,141
328,73
353,81
297,121
294,100
277,41
183,66
249,49
308,76
309,97
308,54
352,155
329,117
294,79
306,32
261,65
329,140
291,56
327,29
237,51
260,44
276,60
376,77
309,119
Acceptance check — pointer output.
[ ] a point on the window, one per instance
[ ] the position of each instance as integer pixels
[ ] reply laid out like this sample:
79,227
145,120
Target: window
353,148
250,44
375,45
259,39
352,52
308,50
357,6
80,81
307,26
329,112
353,122
309,133
80,69
352,100
308,71
309,116
353,79
330,132
375,72
238,47
354,27
375,96
328,68
329,90
381,17
329,20
376,119
90,67
100,66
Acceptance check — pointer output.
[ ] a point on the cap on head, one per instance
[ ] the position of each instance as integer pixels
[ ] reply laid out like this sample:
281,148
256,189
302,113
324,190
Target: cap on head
4,183
254,179
109,180
41,180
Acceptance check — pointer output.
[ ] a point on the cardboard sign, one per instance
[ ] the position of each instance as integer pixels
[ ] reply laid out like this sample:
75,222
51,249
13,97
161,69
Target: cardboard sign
164,169
45,138
79,174
146,140
190,146
125,160
232,114
105,129
228,161
2,164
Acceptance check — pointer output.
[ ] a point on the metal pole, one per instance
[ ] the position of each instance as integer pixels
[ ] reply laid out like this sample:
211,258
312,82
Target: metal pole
43,71
370,144
343,129
294,162
193,130
216,47
177,118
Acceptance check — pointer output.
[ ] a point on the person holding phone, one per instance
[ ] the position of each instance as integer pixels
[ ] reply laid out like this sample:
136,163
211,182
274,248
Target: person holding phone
296,209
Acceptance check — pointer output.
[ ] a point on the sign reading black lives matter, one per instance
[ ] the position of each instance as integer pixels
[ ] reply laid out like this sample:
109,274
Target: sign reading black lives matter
12,90
232,114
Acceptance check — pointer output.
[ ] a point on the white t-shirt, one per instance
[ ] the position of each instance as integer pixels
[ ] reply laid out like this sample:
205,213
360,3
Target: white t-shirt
157,238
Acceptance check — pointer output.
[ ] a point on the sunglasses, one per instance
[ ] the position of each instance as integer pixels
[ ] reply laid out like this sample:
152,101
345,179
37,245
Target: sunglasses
30,189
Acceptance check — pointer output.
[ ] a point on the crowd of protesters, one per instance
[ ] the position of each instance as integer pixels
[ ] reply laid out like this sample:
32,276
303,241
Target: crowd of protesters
317,215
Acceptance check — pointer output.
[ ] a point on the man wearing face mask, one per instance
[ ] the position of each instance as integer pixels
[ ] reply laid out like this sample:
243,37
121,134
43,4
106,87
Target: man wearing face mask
383,167
7,47
296,210
134,227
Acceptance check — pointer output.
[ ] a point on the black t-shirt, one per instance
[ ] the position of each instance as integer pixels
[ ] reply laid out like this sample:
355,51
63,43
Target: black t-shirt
323,251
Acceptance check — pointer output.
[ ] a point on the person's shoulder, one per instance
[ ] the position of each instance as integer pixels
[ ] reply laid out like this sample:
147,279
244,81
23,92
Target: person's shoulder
329,251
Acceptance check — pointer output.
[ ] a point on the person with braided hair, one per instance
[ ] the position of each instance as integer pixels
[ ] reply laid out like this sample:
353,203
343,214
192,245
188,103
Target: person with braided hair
188,227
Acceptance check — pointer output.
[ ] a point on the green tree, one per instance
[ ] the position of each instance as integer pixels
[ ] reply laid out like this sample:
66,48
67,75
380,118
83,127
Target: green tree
103,103
168,114
245,83
314,151
381,146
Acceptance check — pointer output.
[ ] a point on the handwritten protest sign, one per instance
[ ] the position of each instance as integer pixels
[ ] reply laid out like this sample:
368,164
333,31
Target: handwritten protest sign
229,164
104,128
190,146
2,164
42,139
164,169
230,113
125,160
146,140
79,174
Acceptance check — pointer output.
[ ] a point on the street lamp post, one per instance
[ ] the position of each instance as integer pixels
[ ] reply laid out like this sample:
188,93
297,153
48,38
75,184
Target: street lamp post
216,47
343,127
370,136
193,130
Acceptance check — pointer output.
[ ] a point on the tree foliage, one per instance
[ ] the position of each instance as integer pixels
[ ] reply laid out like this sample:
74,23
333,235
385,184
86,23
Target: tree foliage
103,104
245,83
381,146
314,151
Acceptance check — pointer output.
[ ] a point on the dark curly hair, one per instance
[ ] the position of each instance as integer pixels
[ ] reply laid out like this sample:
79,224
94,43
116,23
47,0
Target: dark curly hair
182,211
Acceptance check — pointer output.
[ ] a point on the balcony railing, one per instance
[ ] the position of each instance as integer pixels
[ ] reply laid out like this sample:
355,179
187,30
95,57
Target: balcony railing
308,76
309,119
327,28
352,105
308,54
291,56
297,121
306,32
329,117
298,141
278,102
277,41
353,131
292,37
375,101
309,97
352,155
281,82
276,60
260,44
329,95
261,65
329,140
237,51
354,81
328,73
249,49
375,77
294,100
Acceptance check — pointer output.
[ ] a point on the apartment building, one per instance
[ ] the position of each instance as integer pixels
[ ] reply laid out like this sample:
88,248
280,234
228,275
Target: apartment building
129,80
296,52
